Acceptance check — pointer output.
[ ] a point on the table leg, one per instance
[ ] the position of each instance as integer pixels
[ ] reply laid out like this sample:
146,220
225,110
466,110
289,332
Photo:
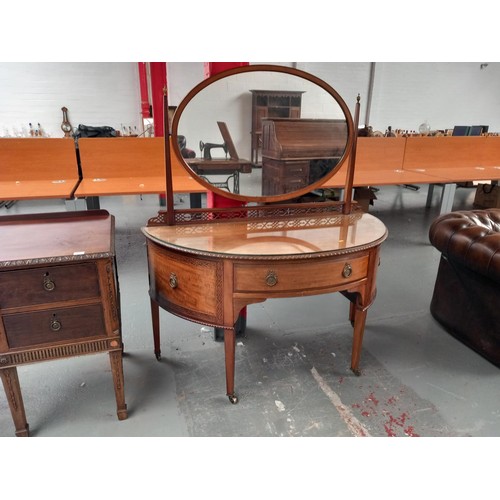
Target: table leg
195,200
12,389
155,317
352,312
447,198
357,341
236,186
229,351
115,358
430,194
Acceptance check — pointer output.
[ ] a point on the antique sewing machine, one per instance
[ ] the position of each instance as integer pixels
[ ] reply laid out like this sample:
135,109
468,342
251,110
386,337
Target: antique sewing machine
206,148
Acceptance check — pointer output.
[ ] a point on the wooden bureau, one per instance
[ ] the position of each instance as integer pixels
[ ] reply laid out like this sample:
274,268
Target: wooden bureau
58,296
298,152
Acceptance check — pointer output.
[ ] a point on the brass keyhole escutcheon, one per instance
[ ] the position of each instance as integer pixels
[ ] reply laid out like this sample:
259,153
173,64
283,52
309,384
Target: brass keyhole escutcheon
271,278
347,271
173,280
48,284
55,324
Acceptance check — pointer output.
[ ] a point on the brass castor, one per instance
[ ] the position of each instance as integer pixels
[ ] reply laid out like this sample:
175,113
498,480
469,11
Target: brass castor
233,398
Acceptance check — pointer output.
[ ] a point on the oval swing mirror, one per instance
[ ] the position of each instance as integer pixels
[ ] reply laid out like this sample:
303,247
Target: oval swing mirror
262,133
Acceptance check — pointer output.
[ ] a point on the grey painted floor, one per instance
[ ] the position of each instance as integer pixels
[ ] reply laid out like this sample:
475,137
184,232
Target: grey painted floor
292,377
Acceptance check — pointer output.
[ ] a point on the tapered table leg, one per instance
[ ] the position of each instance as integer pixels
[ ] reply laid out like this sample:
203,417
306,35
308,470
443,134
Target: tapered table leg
229,351
155,318
116,360
12,389
357,341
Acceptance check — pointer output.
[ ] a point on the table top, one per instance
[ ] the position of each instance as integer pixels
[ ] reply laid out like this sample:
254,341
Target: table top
215,164
40,189
461,174
55,237
301,237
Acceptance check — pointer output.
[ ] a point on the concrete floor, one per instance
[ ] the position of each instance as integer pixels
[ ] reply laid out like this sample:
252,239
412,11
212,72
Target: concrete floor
292,364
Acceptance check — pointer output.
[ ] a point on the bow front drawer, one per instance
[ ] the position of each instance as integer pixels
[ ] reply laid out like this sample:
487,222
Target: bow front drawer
294,276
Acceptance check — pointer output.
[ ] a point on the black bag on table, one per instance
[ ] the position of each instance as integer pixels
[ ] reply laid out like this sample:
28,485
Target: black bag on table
89,131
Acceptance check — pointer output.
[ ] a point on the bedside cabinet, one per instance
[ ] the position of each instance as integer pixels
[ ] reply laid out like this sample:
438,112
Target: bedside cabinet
59,297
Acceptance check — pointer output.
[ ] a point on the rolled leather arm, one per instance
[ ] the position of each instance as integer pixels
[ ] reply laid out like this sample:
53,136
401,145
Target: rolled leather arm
471,237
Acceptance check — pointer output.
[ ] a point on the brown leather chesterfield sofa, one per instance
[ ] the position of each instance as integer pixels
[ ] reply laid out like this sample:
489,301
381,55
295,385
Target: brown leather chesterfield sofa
466,299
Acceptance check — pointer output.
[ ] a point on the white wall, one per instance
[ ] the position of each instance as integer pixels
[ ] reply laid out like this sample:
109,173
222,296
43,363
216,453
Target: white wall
95,93
443,93
404,94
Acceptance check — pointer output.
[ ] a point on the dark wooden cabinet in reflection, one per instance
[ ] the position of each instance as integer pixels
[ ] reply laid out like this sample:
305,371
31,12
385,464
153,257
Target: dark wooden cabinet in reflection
271,104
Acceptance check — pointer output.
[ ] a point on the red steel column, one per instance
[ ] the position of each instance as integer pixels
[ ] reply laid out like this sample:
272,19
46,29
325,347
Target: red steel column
158,83
158,72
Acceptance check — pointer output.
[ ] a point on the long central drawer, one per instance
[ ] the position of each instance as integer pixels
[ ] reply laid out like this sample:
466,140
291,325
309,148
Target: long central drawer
297,276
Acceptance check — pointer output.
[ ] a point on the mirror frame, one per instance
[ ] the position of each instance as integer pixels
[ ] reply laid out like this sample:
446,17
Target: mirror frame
261,68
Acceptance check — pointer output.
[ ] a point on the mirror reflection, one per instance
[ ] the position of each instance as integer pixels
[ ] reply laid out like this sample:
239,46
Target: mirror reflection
261,134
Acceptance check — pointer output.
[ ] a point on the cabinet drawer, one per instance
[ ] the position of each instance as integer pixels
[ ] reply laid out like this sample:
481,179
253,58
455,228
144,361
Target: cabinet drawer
299,276
48,284
54,325
296,170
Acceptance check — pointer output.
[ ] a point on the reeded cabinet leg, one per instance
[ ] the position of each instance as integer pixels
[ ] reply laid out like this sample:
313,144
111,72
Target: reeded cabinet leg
155,318
229,351
115,358
12,389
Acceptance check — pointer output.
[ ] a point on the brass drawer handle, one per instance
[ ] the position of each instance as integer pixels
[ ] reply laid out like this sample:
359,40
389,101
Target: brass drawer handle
271,278
55,324
347,271
48,284
173,280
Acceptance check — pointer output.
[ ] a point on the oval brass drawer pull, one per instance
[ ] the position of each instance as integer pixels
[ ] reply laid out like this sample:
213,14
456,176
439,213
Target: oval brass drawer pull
173,280
271,278
347,271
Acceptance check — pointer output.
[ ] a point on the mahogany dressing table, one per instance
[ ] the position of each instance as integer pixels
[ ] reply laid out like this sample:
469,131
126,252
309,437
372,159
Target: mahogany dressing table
206,265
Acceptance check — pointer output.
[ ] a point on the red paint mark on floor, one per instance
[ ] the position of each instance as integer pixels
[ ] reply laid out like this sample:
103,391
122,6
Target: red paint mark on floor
410,431
394,421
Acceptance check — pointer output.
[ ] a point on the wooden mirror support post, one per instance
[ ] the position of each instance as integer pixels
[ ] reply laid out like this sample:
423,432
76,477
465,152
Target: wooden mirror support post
207,264
346,209
169,195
